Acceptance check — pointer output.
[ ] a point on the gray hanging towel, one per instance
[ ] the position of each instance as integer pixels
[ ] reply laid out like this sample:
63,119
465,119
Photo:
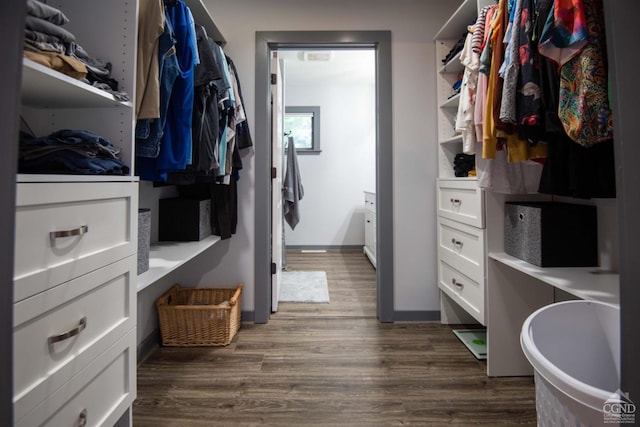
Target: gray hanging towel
292,190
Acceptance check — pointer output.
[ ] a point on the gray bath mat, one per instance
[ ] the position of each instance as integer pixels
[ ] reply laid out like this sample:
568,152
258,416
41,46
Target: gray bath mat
304,286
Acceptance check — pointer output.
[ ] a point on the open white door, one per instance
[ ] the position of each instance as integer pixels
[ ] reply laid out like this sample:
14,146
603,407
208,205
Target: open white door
277,162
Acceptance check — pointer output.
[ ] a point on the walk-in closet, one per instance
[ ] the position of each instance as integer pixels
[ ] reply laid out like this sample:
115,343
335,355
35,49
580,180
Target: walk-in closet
137,156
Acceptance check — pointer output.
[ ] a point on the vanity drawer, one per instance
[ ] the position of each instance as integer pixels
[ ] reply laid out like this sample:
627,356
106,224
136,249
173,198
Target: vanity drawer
64,230
461,200
94,310
370,201
96,396
464,290
463,246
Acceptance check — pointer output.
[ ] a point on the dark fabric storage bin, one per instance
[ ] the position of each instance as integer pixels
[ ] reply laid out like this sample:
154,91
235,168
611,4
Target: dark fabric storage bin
184,220
144,239
552,234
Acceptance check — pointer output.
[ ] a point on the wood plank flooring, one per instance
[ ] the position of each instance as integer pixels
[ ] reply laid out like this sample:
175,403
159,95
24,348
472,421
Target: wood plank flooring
351,279
330,365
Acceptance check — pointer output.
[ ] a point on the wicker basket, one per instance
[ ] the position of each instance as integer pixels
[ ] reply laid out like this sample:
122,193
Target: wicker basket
191,317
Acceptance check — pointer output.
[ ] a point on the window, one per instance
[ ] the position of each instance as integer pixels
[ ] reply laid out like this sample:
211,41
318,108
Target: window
303,124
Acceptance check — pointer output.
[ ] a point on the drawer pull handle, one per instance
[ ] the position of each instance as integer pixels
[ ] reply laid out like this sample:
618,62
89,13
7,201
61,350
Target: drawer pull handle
70,333
456,202
83,229
82,419
457,284
457,243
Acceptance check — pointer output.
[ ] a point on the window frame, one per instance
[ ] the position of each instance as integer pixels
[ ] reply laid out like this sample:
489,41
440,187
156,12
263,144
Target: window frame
314,111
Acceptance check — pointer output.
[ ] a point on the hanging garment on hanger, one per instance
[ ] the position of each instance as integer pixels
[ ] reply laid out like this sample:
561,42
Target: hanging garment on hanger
292,191
150,28
584,86
176,144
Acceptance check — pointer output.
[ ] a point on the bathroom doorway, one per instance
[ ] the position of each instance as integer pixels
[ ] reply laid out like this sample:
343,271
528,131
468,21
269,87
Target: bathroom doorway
266,43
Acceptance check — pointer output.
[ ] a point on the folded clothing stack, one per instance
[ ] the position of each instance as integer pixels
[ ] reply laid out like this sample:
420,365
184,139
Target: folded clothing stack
78,152
47,42
455,49
463,164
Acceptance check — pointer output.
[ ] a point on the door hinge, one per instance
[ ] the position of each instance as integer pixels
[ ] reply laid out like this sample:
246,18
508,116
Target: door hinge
273,268
274,79
274,172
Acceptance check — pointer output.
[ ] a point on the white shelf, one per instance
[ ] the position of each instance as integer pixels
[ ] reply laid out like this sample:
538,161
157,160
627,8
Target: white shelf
464,16
454,66
202,17
452,102
164,257
461,18
588,283
455,139
26,177
43,87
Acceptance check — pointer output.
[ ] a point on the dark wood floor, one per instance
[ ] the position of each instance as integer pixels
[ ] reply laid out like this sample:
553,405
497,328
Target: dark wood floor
330,365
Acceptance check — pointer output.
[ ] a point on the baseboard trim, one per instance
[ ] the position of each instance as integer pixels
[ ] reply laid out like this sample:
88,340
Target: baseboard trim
324,247
148,345
416,316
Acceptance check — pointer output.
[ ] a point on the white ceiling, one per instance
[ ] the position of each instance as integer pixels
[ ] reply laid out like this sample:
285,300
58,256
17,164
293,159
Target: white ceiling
346,65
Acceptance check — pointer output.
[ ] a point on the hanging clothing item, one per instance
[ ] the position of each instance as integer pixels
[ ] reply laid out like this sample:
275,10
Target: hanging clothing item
496,34
176,144
292,189
584,90
530,112
466,106
565,33
570,169
511,68
483,71
205,110
501,176
150,28
477,40
149,132
243,136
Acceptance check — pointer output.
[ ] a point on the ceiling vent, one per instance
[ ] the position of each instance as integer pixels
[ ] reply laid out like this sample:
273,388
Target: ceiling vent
315,56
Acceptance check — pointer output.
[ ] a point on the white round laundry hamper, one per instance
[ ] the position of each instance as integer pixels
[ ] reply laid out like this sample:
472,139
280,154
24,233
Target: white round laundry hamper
574,348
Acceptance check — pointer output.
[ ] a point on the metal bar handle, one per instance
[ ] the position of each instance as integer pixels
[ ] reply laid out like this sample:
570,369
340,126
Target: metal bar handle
82,419
83,229
456,202
70,333
457,284
457,243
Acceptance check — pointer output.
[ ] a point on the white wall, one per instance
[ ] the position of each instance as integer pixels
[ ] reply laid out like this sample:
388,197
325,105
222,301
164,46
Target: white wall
413,24
332,210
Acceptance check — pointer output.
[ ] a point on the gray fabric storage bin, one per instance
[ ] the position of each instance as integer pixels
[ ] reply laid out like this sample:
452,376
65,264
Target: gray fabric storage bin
184,220
144,239
552,234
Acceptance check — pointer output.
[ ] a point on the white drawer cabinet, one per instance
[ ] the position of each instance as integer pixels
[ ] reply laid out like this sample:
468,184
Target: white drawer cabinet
59,332
463,246
461,200
370,227
64,230
75,290
97,396
465,290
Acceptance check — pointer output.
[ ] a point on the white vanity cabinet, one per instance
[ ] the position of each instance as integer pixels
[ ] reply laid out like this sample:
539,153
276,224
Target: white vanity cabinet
74,313
370,230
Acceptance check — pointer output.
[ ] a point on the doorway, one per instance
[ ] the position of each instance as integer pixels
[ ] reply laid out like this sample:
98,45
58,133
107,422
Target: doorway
330,115
267,42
